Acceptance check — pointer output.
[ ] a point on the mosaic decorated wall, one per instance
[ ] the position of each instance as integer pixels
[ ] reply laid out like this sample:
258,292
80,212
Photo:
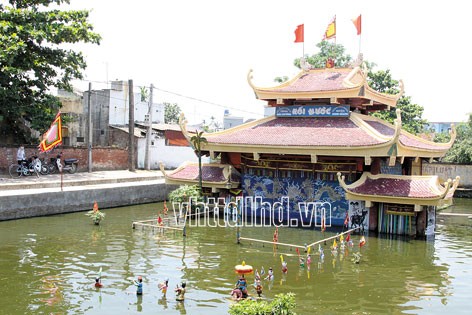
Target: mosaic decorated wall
299,189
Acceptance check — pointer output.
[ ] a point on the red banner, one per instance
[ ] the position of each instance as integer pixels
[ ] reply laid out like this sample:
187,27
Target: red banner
53,136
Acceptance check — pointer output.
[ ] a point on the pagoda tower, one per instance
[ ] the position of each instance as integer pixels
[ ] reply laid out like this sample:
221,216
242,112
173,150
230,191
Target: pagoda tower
322,153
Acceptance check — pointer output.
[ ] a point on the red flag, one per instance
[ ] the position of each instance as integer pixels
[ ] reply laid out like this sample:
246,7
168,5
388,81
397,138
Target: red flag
358,24
330,30
299,34
348,237
53,136
362,241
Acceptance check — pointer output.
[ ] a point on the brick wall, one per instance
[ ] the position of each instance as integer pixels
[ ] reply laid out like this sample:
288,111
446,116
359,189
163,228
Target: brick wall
104,159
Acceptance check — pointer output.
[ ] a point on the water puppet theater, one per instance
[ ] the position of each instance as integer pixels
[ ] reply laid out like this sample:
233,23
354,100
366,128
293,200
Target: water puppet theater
322,146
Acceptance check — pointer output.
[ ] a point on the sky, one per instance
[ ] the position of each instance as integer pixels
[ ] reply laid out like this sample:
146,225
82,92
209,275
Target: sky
198,53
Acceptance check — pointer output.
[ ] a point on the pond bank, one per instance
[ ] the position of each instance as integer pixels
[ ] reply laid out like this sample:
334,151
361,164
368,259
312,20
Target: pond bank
48,195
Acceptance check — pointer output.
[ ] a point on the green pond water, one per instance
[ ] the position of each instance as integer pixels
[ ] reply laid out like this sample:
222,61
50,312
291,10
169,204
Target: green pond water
48,266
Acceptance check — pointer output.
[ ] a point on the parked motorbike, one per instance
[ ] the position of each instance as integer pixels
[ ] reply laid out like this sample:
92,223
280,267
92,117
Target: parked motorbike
27,168
69,165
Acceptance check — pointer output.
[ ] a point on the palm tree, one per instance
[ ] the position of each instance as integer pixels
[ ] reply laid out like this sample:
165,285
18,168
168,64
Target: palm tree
197,141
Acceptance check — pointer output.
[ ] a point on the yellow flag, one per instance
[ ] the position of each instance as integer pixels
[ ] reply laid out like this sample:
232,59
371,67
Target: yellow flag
331,29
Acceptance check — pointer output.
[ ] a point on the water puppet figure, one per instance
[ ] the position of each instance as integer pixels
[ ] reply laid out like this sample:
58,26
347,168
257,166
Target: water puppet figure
284,267
139,285
308,259
349,241
258,287
98,279
98,283
302,262
163,286
165,208
270,275
284,264
237,294
159,220
180,291
241,284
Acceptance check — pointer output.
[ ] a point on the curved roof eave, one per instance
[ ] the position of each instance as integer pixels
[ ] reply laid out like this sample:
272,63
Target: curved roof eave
441,191
187,181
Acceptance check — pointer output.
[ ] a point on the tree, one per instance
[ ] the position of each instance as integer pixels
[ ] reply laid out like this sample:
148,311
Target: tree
381,81
411,114
461,151
33,59
327,50
197,141
171,113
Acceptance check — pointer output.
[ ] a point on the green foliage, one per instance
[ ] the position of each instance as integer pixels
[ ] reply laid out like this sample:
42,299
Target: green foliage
33,58
281,79
461,151
96,215
411,114
171,113
283,304
183,193
327,50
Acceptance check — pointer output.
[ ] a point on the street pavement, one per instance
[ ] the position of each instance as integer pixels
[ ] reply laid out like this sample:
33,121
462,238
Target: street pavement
12,186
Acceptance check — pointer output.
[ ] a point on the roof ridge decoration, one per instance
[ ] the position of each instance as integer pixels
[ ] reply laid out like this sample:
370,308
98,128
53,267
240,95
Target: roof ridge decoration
347,80
393,151
183,126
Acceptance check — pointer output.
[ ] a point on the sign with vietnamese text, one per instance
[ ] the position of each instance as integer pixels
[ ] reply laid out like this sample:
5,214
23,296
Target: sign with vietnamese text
313,111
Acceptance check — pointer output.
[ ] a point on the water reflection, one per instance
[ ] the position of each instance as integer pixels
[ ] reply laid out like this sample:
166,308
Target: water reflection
53,262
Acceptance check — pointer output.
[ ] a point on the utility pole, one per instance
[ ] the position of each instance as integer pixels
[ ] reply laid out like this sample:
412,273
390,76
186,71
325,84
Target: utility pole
131,127
147,157
89,125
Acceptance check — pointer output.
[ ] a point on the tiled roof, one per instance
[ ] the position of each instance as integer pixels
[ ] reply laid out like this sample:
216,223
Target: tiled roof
406,187
405,138
210,173
323,81
301,131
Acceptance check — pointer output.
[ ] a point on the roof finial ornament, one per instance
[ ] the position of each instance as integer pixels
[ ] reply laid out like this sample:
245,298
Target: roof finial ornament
359,61
305,65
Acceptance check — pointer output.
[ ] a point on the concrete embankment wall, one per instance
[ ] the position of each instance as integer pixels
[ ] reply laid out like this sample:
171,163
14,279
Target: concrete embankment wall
55,201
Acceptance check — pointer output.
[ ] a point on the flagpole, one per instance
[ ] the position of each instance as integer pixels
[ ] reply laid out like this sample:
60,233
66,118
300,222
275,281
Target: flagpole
360,35
62,177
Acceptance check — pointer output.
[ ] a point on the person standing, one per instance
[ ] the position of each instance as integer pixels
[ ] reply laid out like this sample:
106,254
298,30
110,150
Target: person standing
20,155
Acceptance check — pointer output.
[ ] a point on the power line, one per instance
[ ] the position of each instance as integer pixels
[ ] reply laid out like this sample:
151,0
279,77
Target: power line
181,95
